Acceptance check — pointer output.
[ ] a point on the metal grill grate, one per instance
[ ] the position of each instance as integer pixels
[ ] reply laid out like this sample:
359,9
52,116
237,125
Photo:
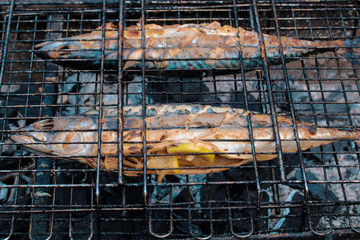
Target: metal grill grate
310,193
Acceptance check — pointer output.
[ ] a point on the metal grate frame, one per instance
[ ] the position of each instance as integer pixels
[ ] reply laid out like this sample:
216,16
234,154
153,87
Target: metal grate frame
304,195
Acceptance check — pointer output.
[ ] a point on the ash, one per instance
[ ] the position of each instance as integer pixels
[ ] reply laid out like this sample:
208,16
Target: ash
87,85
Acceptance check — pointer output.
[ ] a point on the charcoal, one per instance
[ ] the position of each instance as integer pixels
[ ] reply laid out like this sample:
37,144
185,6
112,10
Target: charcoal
295,216
80,196
317,191
13,109
280,96
184,226
334,147
168,91
238,101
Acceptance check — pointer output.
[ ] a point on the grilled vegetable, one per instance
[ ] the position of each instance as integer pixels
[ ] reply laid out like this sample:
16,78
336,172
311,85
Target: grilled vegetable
180,139
191,46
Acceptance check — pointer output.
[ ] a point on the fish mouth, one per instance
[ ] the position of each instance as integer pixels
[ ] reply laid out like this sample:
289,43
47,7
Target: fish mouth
31,143
44,137
24,138
42,54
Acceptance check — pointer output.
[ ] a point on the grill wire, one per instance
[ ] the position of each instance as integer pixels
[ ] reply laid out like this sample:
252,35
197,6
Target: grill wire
300,195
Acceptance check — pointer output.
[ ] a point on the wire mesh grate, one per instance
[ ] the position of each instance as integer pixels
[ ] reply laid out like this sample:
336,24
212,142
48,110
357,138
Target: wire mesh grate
296,195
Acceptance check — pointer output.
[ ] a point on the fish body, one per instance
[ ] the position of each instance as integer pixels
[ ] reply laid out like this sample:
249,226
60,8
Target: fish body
211,139
202,47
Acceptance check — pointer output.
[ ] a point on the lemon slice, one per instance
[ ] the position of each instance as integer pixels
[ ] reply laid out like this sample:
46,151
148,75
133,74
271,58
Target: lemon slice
198,160
164,162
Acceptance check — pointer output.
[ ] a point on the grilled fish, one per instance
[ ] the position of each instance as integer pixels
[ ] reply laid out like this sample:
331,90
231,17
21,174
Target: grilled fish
201,47
180,139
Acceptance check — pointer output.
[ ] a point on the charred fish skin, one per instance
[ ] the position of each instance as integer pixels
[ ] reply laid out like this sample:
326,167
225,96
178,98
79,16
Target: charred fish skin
204,46
212,139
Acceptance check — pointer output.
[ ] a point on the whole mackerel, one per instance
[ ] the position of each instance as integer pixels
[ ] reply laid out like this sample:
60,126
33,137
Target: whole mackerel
204,46
180,139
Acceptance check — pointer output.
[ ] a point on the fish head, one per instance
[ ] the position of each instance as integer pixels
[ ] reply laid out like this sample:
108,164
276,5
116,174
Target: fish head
57,136
83,51
78,50
69,49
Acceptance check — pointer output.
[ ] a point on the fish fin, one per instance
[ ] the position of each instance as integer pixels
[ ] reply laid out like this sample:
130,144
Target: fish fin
161,175
129,64
351,51
40,45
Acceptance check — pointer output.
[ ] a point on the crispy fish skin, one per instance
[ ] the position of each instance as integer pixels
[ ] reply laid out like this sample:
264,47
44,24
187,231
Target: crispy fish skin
223,132
183,47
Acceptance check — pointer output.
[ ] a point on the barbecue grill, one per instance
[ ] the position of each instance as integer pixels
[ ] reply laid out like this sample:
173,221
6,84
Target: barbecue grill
305,195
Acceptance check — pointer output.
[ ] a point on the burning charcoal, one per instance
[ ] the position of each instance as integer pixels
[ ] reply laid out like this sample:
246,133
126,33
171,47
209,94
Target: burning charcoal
338,146
238,101
133,92
320,108
213,192
317,191
161,194
355,109
280,96
12,196
178,90
85,85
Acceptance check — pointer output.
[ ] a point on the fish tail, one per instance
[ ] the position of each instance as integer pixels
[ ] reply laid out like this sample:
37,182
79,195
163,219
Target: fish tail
351,50
356,136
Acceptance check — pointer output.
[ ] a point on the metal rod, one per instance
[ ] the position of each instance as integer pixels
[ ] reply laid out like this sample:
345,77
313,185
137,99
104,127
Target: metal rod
40,227
4,53
120,91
